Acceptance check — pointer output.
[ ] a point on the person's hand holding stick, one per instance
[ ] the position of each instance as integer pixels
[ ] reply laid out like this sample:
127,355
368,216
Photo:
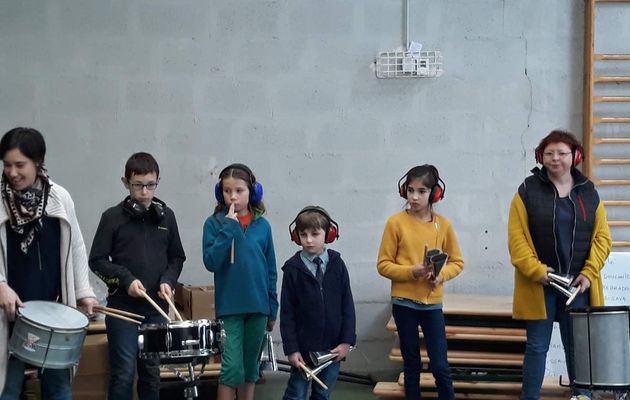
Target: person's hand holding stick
312,375
154,304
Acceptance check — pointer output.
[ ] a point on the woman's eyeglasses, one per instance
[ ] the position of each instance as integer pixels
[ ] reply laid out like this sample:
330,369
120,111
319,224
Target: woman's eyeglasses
560,154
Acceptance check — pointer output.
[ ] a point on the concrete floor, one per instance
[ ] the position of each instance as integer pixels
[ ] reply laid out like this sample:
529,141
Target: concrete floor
272,389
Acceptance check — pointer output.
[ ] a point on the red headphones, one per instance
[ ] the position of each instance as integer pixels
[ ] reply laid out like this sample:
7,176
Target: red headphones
331,231
437,191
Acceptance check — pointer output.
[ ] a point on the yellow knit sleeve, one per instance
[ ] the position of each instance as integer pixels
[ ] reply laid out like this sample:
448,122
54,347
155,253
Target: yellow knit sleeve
387,254
601,243
520,243
455,263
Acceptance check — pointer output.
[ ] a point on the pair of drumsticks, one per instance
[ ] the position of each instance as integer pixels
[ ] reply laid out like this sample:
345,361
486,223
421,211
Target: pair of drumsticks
312,375
125,315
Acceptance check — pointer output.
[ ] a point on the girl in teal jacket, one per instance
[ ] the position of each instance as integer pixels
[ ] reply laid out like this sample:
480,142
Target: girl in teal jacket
238,249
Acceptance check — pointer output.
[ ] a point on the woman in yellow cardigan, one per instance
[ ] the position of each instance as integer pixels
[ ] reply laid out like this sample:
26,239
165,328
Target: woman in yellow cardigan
557,224
417,284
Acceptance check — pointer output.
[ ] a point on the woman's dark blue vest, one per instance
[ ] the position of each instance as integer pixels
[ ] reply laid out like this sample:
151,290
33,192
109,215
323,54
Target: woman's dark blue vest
539,196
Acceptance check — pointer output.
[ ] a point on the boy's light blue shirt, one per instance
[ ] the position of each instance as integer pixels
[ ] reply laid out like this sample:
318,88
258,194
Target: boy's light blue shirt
307,259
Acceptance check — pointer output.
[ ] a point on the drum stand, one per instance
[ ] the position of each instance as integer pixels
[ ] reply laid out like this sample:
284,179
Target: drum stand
599,394
606,394
192,381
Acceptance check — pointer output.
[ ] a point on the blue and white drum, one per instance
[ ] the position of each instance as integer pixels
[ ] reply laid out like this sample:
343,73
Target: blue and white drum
48,334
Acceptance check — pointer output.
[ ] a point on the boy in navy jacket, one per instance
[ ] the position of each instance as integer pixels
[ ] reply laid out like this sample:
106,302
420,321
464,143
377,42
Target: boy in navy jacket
316,306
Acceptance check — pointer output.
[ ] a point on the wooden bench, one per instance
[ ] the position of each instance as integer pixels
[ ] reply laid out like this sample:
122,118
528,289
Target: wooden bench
471,390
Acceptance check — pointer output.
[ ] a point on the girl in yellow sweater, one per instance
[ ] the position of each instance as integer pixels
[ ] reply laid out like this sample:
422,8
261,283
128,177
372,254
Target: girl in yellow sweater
417,289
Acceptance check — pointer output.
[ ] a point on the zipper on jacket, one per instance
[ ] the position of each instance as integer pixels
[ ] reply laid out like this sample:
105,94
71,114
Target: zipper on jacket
575,222
39,255
574,225
573,235
553,228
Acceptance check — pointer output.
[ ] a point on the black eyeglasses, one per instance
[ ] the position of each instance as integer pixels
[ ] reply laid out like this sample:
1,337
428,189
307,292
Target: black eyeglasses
139,186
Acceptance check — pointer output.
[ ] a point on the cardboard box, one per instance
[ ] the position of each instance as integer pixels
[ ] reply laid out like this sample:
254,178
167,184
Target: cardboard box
198,302
92,377
178,297
90,387
94,356
31,389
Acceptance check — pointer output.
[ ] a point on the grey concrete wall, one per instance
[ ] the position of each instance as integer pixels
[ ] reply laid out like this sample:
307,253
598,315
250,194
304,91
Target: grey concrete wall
288,87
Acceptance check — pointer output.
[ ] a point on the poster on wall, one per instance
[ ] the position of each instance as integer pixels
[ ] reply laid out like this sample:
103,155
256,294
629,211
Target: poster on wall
616,281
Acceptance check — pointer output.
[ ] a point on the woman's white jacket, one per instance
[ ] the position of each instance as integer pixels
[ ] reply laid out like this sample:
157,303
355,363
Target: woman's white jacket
75,283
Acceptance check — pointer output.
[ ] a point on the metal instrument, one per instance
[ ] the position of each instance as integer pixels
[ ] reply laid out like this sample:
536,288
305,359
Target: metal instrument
268,355
601,337
48,334
562,283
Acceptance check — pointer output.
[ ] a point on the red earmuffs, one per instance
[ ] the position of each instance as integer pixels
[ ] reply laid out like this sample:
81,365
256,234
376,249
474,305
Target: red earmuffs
331,232
437,191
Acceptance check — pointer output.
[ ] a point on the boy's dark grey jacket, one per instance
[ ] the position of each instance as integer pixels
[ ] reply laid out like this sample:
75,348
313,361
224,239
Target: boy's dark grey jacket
314,320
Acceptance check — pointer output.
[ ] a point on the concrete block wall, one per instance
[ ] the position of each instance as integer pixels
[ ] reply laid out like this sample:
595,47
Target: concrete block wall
289,88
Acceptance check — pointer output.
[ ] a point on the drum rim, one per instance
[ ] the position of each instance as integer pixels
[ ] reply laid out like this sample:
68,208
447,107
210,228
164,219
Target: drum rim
56,328
601,386
45,363
175,324
46,328
600,310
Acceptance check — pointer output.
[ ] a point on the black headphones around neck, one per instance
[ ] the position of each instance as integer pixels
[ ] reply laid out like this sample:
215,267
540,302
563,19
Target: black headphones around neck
136,210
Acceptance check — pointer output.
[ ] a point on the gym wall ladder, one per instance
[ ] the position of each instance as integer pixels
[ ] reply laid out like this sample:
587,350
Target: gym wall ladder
606,124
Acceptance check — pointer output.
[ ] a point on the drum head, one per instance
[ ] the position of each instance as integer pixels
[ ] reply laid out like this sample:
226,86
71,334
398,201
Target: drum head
53,315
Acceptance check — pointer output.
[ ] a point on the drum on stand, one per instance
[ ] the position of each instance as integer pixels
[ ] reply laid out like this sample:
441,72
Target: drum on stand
601,347
48,334
180,342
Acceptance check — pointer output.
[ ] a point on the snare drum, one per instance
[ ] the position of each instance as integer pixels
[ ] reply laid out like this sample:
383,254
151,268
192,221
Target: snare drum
181,341
601,347
48,335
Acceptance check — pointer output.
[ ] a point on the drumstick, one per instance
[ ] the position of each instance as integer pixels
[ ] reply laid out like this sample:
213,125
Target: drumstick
170,304
232,253
578,289
312,375
117,311
114,315
154,304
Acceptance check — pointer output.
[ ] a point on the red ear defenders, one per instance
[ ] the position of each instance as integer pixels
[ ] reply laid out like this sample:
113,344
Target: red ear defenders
578,155
331,232
437,191
256,189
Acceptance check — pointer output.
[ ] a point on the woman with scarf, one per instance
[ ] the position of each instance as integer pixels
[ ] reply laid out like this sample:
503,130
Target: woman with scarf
43,254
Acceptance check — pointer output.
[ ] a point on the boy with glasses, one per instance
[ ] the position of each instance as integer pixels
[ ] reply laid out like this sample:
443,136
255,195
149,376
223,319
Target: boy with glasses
136,249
